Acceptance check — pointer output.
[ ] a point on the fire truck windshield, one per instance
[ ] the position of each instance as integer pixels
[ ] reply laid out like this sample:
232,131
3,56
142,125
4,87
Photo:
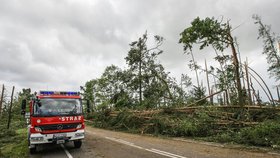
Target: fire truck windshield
58,107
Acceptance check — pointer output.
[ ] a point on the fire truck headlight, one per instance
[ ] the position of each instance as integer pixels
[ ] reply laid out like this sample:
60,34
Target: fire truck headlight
38,129
36,138
79,126
79,134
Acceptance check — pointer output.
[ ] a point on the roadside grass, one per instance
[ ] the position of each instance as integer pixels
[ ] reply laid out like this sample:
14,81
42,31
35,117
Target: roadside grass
13,142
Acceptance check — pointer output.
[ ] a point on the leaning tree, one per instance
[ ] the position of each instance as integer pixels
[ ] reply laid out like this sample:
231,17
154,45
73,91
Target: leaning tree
270,41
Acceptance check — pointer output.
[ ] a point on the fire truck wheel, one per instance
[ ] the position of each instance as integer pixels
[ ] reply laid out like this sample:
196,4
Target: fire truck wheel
32,150
77,143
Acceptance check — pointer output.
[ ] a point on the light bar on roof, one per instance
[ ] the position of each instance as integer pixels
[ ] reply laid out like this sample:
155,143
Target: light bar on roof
59,93
46,92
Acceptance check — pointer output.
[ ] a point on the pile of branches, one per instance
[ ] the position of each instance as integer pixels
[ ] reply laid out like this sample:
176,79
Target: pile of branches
189,121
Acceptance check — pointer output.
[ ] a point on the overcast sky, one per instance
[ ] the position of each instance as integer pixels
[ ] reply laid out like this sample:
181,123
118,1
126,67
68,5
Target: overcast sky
61,44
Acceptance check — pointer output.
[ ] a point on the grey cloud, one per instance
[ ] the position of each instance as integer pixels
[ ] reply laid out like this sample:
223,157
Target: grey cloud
65,43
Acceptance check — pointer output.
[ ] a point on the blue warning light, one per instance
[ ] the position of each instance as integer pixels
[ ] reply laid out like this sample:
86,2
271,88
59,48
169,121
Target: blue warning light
59,93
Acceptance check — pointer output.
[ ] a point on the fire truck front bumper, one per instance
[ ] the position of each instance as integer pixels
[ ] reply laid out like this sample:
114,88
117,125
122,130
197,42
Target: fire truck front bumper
58,138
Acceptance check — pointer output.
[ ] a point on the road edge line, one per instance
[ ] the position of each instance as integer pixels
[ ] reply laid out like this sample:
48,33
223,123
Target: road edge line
168,153
66,151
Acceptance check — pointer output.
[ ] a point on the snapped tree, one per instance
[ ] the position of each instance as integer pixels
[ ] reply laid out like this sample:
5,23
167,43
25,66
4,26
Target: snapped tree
217,34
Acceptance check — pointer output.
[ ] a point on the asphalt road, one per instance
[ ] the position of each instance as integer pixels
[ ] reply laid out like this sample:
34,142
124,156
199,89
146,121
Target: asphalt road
101,143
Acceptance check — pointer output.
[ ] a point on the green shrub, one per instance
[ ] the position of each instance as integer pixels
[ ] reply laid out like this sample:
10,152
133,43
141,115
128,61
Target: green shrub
101,118
225,137
161,125
187,128
126,120
14,143
7,136
264,134
204,124
7,132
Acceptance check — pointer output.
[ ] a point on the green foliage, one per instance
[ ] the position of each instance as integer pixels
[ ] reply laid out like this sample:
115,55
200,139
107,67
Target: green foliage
122,99
148,77
225,74
197,94
111,89
207,32
212,32
124,120
25,94
4,132
224,137
187,128
177,124
270,41
186,80
13,141
264,134
101,118
202,123
143,85
128,121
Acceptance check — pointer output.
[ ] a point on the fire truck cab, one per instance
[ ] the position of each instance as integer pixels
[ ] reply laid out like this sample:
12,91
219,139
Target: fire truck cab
55,117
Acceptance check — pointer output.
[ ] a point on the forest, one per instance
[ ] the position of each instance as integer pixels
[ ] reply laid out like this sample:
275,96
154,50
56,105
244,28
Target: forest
144,98
145,84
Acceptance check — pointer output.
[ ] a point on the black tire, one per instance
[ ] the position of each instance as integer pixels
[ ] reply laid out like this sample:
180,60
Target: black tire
32,150
77,143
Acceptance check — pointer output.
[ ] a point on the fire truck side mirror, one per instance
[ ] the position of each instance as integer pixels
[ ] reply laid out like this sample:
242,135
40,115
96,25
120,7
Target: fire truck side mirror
39,103
23,106
88,106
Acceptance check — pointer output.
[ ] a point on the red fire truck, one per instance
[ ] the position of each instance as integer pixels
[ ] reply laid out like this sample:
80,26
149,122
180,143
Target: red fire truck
55,117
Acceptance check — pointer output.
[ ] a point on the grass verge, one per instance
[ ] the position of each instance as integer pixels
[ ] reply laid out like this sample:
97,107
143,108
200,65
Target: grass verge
13,143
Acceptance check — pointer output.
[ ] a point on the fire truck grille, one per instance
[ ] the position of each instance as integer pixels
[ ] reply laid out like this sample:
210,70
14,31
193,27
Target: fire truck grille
58,126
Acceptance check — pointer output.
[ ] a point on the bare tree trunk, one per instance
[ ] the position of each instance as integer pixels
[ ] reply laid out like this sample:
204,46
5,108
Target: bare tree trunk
243,78
278,93
212,98
271,97
206,97
248,84
1,101
140,83
10,108
207,78
215,87
195,69
254,92
165,83
226,98
258,99
237,74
